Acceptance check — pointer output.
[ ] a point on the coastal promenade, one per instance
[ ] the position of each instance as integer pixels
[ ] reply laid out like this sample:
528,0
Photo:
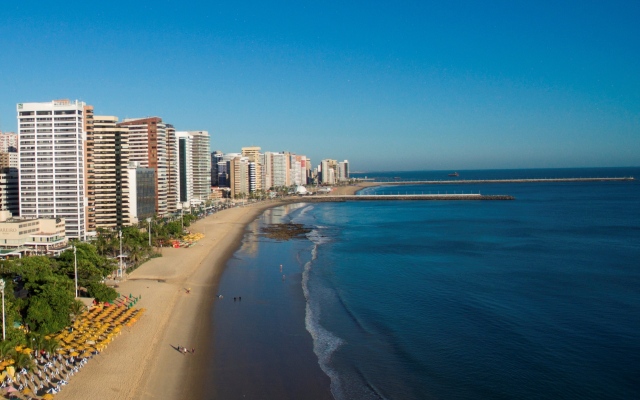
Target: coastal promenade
473,181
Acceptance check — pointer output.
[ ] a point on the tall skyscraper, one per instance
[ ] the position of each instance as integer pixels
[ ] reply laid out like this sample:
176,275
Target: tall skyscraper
52,161
173,183
239,176
216,157
255,167
185,165
201,166
148,146
110,180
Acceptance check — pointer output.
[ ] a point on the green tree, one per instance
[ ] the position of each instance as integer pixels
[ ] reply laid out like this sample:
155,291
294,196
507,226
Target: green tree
102,292
49,304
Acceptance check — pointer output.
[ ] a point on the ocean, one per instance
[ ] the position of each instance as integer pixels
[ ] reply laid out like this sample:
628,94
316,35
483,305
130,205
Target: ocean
533,298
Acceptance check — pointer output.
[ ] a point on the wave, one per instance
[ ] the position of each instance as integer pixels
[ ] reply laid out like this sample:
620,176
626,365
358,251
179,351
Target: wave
325,343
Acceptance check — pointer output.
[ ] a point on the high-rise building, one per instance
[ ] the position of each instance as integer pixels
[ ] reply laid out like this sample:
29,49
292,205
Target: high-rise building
9,191
109,179
185,164
148,147
328,171
142,192
280,170
52,160
255,168
216,157
343,170
224,169
8,142
173,183
239,176
201,166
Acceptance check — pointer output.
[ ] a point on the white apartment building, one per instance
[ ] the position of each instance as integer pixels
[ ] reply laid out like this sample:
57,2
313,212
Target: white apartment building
51,147
201,165
279,170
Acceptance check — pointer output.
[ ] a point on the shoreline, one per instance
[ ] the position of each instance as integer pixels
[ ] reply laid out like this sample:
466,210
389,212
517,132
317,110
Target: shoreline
143,362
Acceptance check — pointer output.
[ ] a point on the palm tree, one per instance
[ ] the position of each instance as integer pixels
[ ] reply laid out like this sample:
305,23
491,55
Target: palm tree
51,345
77,307
24,361
7,349
36,340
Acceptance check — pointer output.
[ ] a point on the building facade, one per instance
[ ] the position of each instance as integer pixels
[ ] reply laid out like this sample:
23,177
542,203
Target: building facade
201,166
52,161
148,147
185,166
109,182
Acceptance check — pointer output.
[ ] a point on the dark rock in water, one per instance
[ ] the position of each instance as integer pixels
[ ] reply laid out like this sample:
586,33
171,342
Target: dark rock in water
285,231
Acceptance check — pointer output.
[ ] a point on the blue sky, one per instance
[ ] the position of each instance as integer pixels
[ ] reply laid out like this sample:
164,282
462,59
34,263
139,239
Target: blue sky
386,85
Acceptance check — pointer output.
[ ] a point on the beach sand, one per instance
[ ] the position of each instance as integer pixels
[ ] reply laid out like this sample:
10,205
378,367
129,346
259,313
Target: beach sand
143,362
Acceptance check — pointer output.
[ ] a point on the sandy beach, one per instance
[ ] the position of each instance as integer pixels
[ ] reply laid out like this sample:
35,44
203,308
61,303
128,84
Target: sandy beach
143,362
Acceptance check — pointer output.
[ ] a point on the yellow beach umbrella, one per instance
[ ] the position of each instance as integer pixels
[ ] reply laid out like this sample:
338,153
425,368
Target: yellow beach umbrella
47,396
74,354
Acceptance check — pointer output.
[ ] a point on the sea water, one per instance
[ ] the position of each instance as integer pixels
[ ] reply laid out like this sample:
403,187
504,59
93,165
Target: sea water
538,297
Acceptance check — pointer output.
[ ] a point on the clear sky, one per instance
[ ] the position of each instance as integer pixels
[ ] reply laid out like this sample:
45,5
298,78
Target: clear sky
387,85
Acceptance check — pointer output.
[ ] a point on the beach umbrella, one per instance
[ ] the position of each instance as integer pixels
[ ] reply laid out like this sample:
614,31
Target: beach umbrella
74,354
10,389
48,396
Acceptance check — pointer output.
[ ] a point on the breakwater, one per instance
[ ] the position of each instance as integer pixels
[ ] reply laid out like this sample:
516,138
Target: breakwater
534,180
340,198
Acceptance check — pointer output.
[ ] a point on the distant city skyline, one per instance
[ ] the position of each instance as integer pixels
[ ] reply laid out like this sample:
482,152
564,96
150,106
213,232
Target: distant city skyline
425,85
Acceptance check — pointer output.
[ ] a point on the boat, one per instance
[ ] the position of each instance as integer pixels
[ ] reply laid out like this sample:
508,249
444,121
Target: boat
454,174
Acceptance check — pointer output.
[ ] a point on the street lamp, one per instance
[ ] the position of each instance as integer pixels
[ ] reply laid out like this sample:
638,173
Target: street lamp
120,264
149,222
75,268
2,290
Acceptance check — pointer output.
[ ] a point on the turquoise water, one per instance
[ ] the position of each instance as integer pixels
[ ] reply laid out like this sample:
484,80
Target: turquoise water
532,298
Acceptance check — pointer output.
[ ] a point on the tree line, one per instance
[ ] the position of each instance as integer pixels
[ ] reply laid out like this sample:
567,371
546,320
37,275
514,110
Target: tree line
40,290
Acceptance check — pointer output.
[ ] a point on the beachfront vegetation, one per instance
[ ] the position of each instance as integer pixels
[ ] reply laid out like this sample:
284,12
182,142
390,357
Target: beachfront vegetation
40,291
